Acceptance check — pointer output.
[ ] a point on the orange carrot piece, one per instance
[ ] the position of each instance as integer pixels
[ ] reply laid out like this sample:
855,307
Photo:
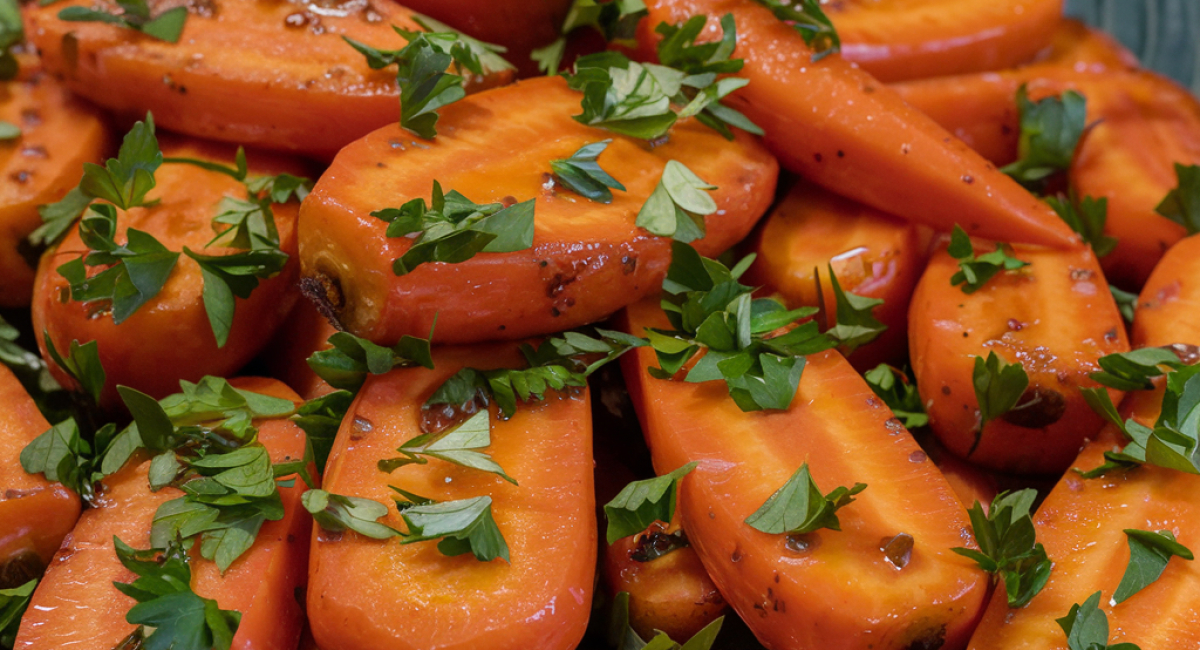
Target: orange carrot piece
541,599
588,259
1085,49
1056,317
839,127
519,25
35,514
272,74
139,352
873,254
1168,303
793,592
76,605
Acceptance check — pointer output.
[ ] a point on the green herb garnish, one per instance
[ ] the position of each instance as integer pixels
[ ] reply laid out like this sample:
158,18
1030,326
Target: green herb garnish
642,503
998,387
899,393
800,507
621,636
13,603
616,20
582,174
1182,203
1149,554
810,22
1050,132
1008,545
1086,216
135,15
677,206
974,271
1086,627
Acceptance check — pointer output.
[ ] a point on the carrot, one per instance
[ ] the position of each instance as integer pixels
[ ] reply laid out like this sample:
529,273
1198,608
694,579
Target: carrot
135,352
969,482
881,152
1055,316
540,598
911,40
58,134
273,75
1170,297
1085,49
793,592
34,513
306,332
588,259
872,253
520,26
671,593
77,606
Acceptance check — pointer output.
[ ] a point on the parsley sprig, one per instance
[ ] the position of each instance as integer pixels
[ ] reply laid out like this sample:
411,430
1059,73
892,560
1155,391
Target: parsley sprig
677,206
1086,627
1149,553
135,15
12,33
458,445
999,385
810,22
453,229
799,507
349,359
1008,545
642,503
582,174
616,20
974,271
1086,216
900,394
622,636
1050,132
1182,203
13,603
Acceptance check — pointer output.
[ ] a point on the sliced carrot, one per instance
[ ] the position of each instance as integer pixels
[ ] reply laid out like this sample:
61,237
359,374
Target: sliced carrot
826,589
970,482
1166,307
839,127
519,25
169,338
275,74
1056,317
929,38
58,134
76,606
1085,49
35,514
588,259
306,332
541,599
873,254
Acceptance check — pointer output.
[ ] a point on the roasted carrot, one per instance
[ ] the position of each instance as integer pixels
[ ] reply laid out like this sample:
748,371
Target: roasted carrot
135,353
969,482
1165,308
35,514
306,332
881,151
520,26
274,75
872,253
670,592
793,592
588,259
1055,316
77,606
58,134
1085,49
540,598
895,41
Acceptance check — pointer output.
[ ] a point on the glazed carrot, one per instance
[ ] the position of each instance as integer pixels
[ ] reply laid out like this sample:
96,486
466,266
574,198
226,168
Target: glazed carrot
873,254
882,152
794,592
272,74
910,40
139,352
306,332
76,605
1056,317
58,134
519,25
588,259
969,482
1085,49
1170,298
382,595
35,514
670,592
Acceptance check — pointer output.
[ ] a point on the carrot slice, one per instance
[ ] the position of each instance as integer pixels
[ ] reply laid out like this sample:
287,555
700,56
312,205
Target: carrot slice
269,74
58,134
794,592
928,38
138,352
873,254
1084,49
519,25
839,127
541,599
1165,308
35,514
588,259
76,605
1056,317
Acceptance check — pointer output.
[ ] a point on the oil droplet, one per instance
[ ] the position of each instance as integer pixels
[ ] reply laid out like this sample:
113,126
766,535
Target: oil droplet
360,428
802,544
898,549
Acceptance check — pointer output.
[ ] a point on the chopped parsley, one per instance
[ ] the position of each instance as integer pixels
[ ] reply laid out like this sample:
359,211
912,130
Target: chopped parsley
1149,553
677,206
1086,627
900,394
810,22
135,15
582,174
1182,203
1008,545
998,387
642,503
616,20
974,271
800,507
1086,216
1050,132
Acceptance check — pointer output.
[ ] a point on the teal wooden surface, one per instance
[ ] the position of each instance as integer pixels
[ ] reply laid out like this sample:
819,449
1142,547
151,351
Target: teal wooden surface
1165,34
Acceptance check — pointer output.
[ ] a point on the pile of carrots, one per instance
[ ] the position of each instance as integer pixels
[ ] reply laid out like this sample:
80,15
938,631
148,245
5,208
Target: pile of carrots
311,304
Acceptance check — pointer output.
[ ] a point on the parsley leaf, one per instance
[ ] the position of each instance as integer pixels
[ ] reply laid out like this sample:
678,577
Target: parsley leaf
642,503
82,364
1008,546
1182,203
320,418
34,374
677,206
346,364
1050,132
1133,370
135,15
454,229
57,218
998,387
616,20
583,175
9,131
899,393
810,22
1086,627
469,53
856,324
621,635
1149,554
12,32
626,97
1126,302
125,180
974,271
13,603
455,445
335,512
799,507
174,615
1087,217
463,526
711,311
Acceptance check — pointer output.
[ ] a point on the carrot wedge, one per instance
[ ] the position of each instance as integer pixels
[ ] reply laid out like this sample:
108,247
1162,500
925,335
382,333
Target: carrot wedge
839,127
540,598
587,260
1167,305
794,592
76,605
35,514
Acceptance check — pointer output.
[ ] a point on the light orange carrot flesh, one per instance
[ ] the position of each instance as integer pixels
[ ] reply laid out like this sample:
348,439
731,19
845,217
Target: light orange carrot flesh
1167,305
